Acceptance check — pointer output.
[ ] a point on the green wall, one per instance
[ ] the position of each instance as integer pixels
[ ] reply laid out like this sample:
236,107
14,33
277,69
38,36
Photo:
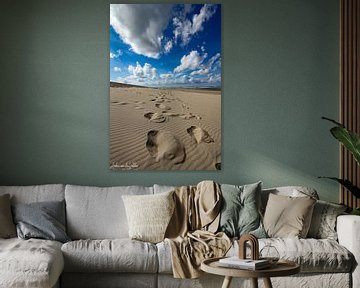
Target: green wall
280,75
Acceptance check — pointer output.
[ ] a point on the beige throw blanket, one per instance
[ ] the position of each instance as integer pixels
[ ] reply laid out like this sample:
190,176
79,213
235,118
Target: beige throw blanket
191,231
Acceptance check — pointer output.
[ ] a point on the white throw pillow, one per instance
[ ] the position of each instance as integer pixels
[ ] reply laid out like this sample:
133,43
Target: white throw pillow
149,215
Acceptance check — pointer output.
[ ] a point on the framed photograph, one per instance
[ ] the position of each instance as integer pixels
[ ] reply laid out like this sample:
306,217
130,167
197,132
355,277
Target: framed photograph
165,87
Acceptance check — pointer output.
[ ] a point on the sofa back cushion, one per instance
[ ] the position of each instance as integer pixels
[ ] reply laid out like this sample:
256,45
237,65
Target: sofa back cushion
291,191
36,193
98,213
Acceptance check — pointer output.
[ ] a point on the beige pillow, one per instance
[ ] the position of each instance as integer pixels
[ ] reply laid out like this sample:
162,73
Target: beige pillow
288,217
149,215
7,226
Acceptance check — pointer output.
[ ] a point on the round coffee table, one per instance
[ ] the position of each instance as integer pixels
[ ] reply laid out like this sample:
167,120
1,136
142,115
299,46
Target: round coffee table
281,268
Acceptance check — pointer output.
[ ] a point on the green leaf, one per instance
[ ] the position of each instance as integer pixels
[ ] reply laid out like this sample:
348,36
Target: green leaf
348,138
347,184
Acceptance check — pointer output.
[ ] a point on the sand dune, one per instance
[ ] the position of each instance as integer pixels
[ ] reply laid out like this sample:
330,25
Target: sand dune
164,129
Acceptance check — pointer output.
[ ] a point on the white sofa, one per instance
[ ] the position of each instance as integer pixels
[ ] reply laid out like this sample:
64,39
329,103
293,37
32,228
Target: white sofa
101,254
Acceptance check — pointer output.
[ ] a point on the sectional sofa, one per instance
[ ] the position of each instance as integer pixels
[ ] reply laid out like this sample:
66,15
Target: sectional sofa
100,253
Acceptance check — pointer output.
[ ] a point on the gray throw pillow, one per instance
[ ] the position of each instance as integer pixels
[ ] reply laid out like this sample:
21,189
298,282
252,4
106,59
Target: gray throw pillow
7,227
44,220
240,210
323,222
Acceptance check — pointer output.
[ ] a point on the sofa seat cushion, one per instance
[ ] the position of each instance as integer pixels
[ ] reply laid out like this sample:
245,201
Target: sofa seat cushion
30,263
115,255
313,255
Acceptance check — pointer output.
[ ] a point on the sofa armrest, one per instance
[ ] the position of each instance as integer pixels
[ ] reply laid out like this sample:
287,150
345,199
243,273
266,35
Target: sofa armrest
348,230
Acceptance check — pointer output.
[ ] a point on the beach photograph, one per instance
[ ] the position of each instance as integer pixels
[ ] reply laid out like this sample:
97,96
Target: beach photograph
165,87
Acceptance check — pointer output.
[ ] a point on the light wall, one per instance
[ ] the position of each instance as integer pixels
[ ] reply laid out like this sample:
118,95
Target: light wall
280,75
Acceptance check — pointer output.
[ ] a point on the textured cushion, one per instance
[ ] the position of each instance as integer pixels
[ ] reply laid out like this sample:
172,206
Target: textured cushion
240,210
7,227
98,213
30,263
44,220
36,193
149,215
323,222
313,255
117,255
287,216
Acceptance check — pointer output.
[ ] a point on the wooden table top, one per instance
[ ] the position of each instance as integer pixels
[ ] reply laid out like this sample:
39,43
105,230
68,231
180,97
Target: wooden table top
281,268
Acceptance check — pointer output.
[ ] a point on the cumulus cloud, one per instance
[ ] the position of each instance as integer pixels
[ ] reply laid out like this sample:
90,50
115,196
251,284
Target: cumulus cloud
116,54
200,72
212,64
189,62
141,26
185,28
143,72
117,69
166,76
168,46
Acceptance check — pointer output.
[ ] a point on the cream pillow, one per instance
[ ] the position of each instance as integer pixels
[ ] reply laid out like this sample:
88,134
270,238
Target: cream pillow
288,217
149,215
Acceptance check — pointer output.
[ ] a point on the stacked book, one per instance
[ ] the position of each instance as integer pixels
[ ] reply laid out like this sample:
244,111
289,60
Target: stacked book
248,264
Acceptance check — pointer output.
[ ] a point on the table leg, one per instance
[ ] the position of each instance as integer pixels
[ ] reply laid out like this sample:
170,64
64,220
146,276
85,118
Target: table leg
254,282
267,283
227,282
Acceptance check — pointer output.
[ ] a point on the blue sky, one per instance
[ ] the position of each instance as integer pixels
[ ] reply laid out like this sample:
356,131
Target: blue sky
165,45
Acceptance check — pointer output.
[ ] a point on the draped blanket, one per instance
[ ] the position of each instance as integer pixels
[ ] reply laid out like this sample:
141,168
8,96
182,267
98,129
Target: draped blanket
191,232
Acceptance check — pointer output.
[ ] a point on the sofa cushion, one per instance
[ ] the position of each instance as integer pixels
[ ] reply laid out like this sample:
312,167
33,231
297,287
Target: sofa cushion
7,226
116,255
30,263
36,193
291,191
43,220
240,210
323,222
313,255
287,216
149,215
98,213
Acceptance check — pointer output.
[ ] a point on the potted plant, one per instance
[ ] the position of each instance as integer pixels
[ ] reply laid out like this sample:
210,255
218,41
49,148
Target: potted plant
351,141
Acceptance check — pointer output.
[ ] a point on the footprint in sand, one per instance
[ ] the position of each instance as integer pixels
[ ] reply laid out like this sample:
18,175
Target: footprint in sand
162,106
155,117
164,145
189,116
199,135
122,103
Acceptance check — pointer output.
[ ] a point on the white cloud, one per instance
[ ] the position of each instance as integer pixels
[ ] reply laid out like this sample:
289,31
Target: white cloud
116,54
166,76
146,72
212,64
117,69
185,28
168,46
141,26
189,62
200,72
216,58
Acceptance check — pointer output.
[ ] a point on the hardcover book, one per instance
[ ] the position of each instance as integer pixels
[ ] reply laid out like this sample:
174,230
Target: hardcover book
236,262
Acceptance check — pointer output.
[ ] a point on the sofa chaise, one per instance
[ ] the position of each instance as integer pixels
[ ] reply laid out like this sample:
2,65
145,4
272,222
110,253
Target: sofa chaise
101,254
